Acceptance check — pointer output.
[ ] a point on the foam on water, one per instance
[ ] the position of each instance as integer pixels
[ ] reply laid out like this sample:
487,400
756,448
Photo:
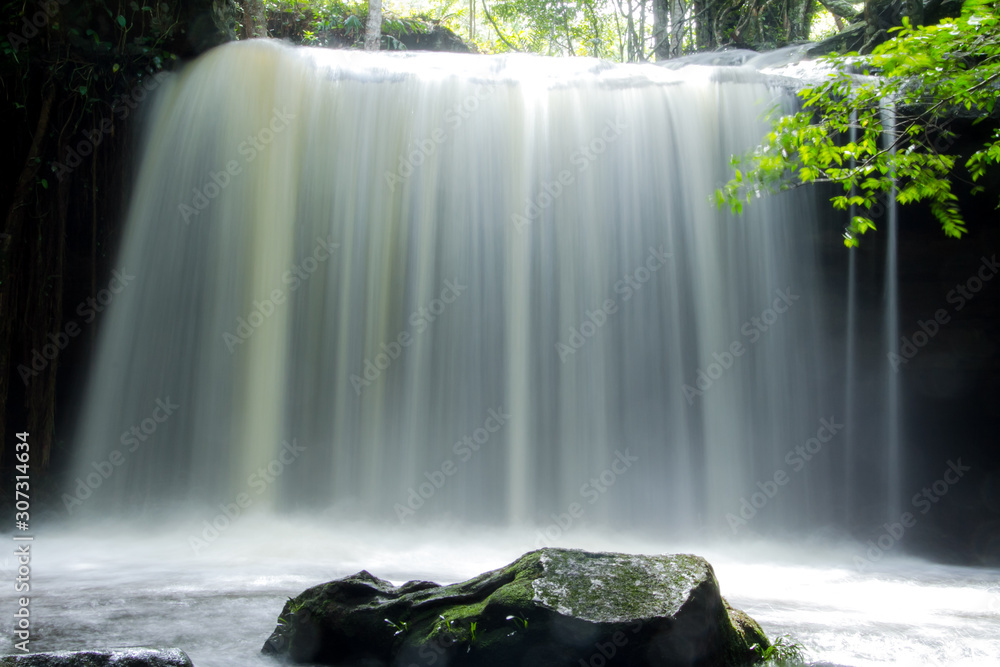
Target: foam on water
121,584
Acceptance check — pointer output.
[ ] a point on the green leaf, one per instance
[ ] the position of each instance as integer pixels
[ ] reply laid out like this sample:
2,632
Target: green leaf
121,20
948,63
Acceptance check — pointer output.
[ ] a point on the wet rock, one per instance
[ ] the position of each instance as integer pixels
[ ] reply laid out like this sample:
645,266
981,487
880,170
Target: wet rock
112,657
550,608
438,38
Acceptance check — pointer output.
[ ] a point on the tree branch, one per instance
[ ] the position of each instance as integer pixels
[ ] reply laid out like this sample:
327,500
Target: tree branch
489,17
841,8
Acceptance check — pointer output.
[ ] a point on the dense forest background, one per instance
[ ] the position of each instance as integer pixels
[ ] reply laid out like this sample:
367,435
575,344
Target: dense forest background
75,72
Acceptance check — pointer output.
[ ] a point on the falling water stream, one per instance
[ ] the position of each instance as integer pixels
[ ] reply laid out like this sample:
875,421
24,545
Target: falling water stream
850,352
403,312
505,269
893,435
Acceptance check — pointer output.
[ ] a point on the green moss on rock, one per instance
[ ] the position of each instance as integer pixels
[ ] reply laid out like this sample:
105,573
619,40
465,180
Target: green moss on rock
550,608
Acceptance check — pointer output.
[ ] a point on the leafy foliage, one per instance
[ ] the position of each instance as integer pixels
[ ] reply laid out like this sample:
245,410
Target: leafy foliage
399,627
519,621
93,51
879,133
336,23
452,14
552,27
781,650
620,30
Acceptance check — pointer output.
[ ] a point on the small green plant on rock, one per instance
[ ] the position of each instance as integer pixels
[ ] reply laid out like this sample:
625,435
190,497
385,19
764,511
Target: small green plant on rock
400,627
782,649
521,623
293,608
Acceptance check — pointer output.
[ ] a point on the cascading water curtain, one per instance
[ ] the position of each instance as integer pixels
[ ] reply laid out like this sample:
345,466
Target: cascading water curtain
850,354
432,287
893,415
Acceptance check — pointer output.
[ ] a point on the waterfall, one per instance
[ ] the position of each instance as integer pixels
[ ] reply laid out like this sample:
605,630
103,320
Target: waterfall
850,355
410,287
894,491
849,375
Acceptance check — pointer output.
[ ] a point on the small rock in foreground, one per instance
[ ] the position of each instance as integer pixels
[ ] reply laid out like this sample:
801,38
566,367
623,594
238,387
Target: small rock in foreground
112,657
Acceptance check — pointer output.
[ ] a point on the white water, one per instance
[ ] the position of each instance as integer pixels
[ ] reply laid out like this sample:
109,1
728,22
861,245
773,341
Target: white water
503,130
601,312
893,427
113,584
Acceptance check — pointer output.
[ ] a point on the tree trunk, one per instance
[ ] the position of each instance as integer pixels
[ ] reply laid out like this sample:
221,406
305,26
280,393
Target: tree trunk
800,19
12,290
661,29
254,19
752,24
915,10
472,21
373,32
841,8
677,28
880,15
704,39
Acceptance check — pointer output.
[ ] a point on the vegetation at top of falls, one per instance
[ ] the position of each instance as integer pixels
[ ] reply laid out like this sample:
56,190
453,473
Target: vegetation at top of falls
91,52
931,76
342,24
620,30
538,26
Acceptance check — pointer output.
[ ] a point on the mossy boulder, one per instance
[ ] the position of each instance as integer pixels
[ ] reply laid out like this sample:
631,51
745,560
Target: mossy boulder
550,608
436,38
116,657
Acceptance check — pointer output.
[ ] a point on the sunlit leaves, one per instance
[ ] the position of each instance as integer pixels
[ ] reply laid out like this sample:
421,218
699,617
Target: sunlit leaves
838,136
